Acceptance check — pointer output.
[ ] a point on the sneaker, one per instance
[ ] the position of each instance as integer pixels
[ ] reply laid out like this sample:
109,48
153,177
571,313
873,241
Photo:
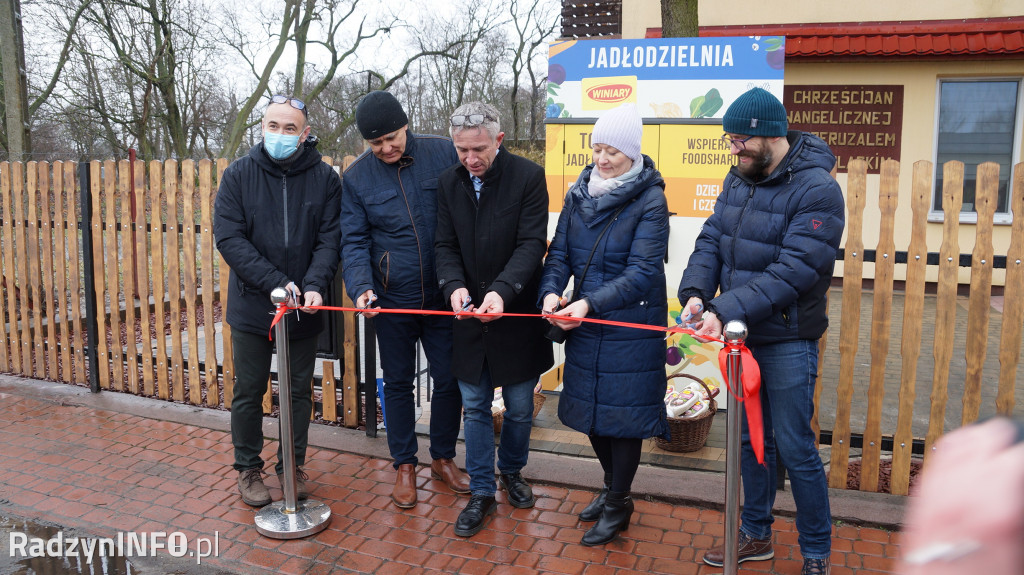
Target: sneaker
749,549
815,567
251,487
301,491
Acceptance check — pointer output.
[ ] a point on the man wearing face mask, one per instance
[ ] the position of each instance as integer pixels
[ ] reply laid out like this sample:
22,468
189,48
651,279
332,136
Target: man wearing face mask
277,225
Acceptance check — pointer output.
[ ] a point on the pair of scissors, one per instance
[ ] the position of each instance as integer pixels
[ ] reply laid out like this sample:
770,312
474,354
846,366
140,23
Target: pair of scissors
369,302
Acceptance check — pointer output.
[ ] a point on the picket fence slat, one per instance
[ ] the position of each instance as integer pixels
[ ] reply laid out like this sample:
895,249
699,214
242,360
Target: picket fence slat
127,272
329,393
228,362
35,290
47,309
208,292
191,288
96,197
945,302
1013,307
156,190
849,328
174,280
881,322
21,257
61,320
350,365
142,273
913,316
73,213
10,352
985,199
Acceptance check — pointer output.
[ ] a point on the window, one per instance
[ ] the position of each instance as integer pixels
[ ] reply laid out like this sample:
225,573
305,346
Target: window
978,123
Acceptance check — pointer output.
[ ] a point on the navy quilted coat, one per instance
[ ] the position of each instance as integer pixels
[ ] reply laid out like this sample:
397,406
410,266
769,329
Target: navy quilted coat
770,247
614,379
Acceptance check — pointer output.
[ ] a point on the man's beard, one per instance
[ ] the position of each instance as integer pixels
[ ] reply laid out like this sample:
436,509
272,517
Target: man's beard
760,161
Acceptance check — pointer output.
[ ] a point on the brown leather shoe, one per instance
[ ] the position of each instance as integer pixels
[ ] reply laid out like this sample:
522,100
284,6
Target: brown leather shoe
748,549
446,470
404,494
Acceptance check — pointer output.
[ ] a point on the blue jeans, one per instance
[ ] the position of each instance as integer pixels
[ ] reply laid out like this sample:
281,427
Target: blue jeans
396,336
514,446
788,373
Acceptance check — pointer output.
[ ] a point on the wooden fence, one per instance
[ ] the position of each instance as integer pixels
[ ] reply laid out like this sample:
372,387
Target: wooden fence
155,274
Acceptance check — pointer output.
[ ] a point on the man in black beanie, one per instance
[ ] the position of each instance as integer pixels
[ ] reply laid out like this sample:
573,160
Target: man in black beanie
768,252
388,218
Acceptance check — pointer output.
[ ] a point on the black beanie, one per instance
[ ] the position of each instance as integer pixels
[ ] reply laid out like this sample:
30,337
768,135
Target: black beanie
756,112
379,114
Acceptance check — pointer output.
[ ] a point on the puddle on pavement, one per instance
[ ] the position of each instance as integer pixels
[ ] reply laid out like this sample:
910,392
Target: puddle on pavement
63,550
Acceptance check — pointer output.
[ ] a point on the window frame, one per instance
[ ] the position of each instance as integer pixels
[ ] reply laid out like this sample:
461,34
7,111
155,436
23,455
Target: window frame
935,213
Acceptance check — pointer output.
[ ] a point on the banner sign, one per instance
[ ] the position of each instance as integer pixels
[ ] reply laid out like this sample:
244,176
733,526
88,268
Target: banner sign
855,121
664,77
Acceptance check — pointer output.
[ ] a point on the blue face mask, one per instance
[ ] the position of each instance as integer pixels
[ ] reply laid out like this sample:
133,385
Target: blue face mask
280,146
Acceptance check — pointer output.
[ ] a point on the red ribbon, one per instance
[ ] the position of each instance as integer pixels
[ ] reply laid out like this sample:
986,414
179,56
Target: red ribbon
750,393
750,376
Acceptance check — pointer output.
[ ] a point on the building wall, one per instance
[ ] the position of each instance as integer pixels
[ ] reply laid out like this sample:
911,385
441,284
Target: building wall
918,140
734,13
638,16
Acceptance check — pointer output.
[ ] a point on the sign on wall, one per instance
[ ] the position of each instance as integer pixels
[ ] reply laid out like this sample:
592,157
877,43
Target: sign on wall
855,121
664,77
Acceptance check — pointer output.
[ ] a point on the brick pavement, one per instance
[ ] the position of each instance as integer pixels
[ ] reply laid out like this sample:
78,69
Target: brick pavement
101,470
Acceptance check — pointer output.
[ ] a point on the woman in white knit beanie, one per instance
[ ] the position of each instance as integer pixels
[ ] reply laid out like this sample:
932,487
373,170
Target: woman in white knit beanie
611,238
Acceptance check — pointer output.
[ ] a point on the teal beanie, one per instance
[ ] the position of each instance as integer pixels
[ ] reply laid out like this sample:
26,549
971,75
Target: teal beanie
756,113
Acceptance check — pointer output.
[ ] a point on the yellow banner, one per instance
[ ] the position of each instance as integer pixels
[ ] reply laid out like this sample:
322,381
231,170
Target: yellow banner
693,161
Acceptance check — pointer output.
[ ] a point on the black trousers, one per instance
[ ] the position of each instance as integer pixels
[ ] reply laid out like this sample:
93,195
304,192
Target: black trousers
252,354
620,458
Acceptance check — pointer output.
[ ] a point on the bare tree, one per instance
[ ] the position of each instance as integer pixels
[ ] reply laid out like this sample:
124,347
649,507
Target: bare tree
534,23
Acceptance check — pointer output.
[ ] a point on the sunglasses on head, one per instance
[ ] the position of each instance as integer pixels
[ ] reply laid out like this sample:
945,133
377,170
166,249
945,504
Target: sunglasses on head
293,102
470,119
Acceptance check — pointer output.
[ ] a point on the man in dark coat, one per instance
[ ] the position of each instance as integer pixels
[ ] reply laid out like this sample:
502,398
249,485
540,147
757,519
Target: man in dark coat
388,216
769,250
492,215
276,224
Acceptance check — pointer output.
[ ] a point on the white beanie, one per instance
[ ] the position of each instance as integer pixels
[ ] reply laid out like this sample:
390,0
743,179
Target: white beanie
622,129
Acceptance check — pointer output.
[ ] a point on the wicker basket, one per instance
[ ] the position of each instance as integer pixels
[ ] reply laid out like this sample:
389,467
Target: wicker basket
538,402
689,434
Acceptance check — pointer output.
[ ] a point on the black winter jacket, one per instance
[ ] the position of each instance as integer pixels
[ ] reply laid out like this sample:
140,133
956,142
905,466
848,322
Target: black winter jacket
496,244
273,227
770,246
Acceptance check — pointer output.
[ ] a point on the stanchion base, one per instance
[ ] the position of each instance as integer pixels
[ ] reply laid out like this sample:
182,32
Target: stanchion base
310,517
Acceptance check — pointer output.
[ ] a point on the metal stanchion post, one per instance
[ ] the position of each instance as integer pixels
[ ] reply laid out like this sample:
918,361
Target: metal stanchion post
290,518
735,333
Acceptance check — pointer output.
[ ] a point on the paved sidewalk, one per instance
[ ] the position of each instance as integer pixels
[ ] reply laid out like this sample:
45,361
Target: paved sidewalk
106,463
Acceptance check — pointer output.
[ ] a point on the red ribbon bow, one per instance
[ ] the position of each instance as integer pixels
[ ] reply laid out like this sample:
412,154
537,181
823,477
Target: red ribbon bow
750,393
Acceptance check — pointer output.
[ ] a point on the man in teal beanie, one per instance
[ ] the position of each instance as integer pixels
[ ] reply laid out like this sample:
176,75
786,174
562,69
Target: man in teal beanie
768,252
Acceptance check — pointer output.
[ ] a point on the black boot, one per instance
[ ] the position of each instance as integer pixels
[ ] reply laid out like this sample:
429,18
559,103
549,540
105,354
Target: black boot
618,509
593,511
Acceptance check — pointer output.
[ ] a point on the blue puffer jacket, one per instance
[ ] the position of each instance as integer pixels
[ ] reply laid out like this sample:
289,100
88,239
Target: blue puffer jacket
771,246
388,220
614,379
